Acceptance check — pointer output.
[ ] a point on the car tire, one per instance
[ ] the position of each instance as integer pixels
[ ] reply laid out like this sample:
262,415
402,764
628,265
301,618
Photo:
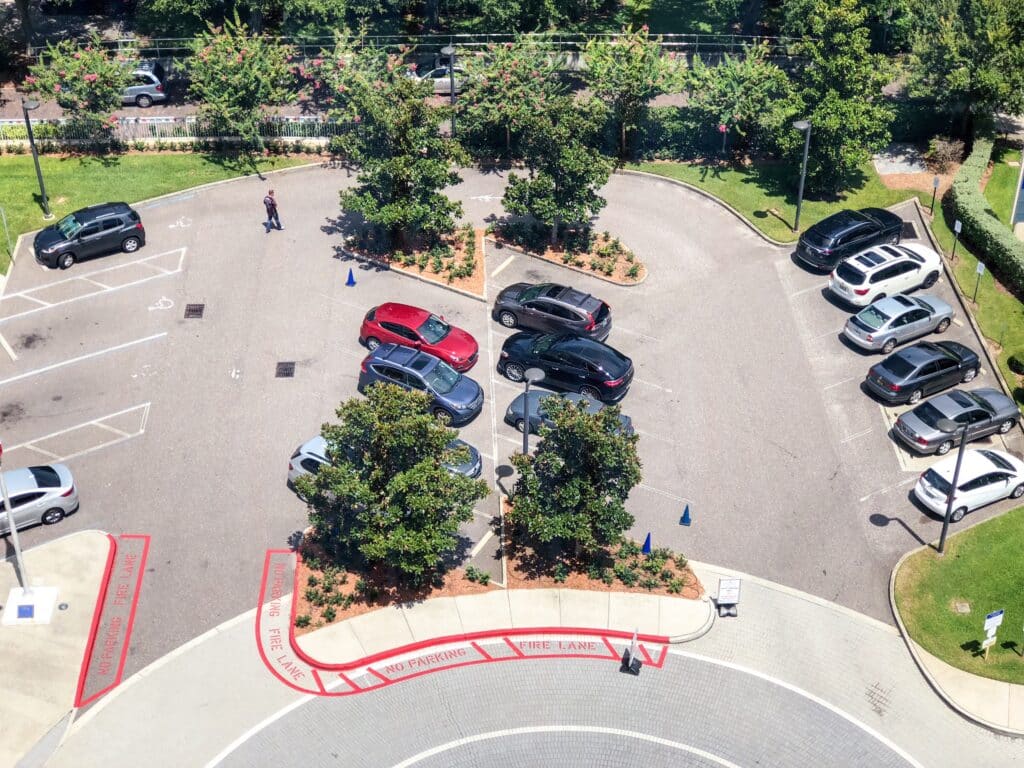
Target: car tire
1006,426
1017,492
442,415
130,244
590,392
944,447
958,514
942,326
521,425
969,375
514,372
144,100
915,397
508,319
931,280
65,260
52,516
372,342
889,346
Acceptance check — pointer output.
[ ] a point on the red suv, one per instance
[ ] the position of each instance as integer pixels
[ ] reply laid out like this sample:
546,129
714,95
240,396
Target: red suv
420,329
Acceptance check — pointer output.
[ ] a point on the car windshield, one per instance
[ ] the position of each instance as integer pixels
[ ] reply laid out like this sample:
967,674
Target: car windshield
45,477
998,460
442,379
849,274
873,318
898,367
69,225
929,414
923,304
533,291
434,329
937,481
543,344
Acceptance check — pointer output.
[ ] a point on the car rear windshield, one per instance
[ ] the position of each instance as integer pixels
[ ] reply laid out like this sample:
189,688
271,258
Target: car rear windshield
69,225
818,238
898,367
442,379
872,317
158,70
929,414
603,312
998,460
848,273
434,329
45,477
923,304
937,481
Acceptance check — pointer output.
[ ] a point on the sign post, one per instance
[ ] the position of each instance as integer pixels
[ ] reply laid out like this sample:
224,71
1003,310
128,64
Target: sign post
23,579
981,271
992,622
957,226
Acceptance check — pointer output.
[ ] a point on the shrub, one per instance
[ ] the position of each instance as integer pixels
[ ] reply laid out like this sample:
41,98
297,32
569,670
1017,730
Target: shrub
312,581
302,621
472,573
649,583
633,272
1016,363
629,549
561,573
626,574
943,152
329,614
675,586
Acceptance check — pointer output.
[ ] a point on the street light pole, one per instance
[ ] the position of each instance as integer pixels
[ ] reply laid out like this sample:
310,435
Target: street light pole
805,127
530,376
15,541
449,51
28,105
948,425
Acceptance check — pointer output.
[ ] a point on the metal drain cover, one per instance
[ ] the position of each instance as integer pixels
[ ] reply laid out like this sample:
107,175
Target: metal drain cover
285,370
194,311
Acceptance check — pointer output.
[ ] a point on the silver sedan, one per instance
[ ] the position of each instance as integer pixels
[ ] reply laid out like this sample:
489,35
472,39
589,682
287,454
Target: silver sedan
44,494
887,322
985,411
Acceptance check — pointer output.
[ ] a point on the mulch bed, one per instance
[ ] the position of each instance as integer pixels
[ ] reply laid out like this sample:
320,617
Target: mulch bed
594,261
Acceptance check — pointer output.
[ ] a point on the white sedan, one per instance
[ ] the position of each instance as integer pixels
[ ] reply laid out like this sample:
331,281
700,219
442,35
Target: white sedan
985,476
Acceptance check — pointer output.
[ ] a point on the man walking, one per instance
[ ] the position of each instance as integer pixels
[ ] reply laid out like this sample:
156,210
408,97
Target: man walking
272,218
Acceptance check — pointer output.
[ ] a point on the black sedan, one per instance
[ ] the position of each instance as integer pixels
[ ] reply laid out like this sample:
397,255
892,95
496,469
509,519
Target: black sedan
571,363
553,308
537,415
845,233
926,367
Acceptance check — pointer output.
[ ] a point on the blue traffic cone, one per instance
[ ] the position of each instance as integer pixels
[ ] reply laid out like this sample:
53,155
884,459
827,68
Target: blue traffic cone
351,278
647,545
685,519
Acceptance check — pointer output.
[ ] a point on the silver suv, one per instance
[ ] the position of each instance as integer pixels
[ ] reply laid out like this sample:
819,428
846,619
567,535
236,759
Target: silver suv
148,85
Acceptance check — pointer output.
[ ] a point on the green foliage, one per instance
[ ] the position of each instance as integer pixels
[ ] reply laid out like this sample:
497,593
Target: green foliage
675,586
561,573
386,496
574,489
625,573
476,575
329,614
302,621
234,76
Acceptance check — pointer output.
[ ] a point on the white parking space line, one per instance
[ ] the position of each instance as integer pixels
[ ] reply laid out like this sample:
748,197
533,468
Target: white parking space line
109,428
503,264
481,544
505,383
7,348
87,278
840,383
353,305
857,434
636,333
651,384
483,515
890,488
653,436
958,322
666,494
73,360
827,333
100,422
819,287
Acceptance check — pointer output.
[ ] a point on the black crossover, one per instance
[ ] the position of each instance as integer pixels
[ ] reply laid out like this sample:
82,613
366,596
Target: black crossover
569,363
845,233
89,232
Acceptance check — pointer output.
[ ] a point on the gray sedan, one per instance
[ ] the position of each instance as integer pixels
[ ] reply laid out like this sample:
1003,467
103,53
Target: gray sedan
887,322
984,410
537,416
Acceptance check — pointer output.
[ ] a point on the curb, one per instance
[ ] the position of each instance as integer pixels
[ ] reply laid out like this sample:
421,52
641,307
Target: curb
912,647
709,196
389,268
590,273
700,632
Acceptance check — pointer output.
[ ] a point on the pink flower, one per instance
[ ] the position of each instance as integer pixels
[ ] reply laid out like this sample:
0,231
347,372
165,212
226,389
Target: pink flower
317,62
63,73
645,29
238,59
57,87
30,80
316,84
535,73
90,78
78,55
508,45
357,119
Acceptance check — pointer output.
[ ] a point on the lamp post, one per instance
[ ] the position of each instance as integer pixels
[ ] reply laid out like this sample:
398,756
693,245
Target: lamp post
935,188
804,126
15,541
530,376
948,425
27,105
449,51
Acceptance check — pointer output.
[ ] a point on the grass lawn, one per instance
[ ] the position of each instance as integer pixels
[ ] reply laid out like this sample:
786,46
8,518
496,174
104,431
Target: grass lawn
979,568
1003,182
75,182
683,17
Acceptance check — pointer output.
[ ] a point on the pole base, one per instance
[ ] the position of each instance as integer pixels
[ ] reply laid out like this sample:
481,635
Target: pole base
33,606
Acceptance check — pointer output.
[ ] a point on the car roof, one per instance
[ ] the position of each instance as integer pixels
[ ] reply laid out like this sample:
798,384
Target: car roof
976,462
879,256
952,404
406,314
315,446
922,352
101,209
894,305
28,478
406,357
839,223
575,298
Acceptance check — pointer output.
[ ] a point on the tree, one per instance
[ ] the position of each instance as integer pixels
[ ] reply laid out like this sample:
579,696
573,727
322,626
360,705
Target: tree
839,89
86,81
565,168
626,72
385,495
574,489
234,76
404,161
968,55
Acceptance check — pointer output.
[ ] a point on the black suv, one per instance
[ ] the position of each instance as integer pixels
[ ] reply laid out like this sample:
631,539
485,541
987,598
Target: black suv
92,231
845,233
589,367
906,376
551,308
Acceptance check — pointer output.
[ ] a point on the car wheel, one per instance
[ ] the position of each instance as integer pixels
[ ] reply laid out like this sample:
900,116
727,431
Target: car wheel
1017,492
130,244
590,392
958,514
520,425
942,326
1006,426
508,320
879,297
52,516
931,280
66,260
889,346
372,343
915,397
514,371
143,100
442,415
969,375
944,448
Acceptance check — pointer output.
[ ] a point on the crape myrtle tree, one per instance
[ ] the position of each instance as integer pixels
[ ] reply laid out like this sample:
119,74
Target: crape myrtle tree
85,80
573,490
626,72
234,75
565,168
385,497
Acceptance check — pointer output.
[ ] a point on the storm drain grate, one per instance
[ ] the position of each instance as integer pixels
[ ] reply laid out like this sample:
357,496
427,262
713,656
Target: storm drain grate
909,231
285,370
194,311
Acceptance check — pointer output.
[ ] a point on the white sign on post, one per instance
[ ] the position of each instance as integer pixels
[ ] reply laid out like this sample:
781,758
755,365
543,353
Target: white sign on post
988,643
957,226
980,269
993,620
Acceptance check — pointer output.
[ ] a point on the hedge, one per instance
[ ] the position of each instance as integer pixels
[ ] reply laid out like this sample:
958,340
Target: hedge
999,247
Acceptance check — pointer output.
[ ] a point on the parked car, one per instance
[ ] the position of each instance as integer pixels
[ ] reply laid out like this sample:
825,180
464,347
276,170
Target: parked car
44,494
569,362
312,454
985,476
89,232
535,414
148,85
552,308
414,327
441,81
884,270
921,369
843,234
456,398
985,411
893,320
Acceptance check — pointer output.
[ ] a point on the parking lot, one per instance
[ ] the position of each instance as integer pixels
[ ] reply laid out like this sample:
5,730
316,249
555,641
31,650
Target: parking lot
748,405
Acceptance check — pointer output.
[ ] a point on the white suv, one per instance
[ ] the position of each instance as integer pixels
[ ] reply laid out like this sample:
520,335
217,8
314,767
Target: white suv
884,270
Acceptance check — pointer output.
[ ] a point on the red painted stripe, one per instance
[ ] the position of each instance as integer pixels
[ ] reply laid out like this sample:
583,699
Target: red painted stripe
661,659
377,674
514,648
97,610
611,649
481,651
647,656
259,613
319,682
355,688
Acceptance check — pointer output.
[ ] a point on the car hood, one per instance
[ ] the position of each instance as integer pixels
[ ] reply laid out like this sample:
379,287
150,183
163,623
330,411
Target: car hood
459,343
465,391
512,292
519,343
47,237
997,401
465,467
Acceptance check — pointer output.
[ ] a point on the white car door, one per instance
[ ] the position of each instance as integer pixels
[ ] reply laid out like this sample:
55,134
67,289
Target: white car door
908,277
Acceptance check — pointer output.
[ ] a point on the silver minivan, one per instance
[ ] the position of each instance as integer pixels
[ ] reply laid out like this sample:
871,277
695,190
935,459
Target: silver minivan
45,494
148,85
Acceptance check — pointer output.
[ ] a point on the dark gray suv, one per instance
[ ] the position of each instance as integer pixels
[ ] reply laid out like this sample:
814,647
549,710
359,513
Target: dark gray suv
456,398
90,232
551,308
